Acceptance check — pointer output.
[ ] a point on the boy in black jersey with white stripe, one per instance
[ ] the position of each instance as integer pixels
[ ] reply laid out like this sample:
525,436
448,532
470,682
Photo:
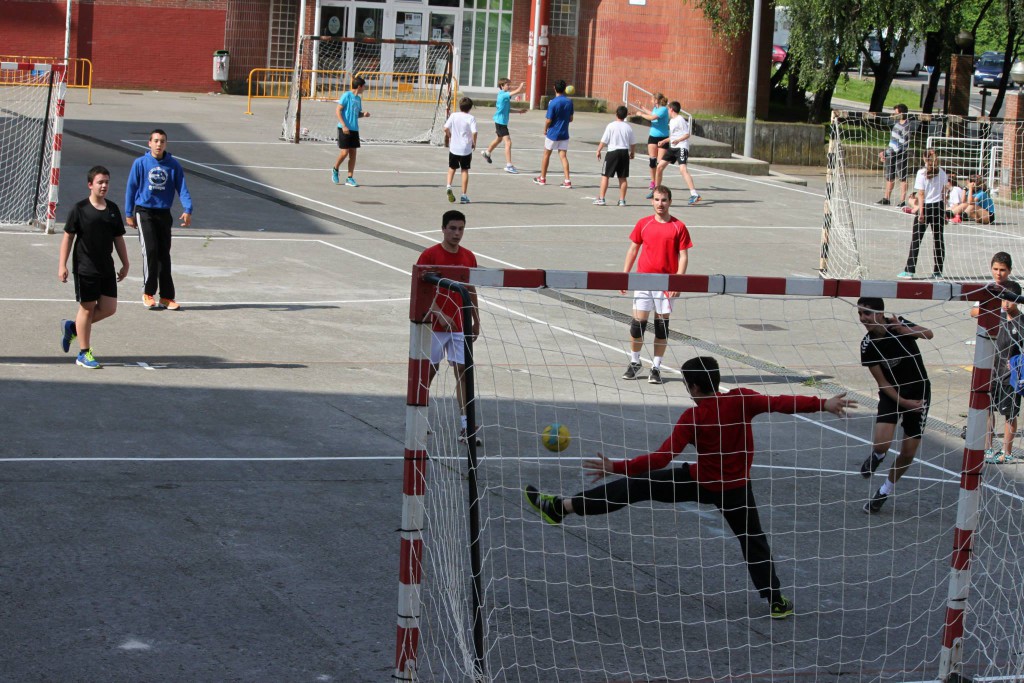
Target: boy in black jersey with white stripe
889,350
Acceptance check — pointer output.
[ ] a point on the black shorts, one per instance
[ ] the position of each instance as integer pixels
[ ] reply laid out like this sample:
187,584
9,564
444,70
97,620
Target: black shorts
459,161
616,163
89,288
897,166
348,141
501,130
1005,400
913,420
675,155
655,139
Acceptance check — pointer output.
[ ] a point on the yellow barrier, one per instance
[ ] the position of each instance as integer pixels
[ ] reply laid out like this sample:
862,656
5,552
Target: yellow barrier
324,84
78,74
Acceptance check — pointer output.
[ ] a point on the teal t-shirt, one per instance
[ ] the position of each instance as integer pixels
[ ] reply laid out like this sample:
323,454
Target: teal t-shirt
659,126
502,106
353,106
984,201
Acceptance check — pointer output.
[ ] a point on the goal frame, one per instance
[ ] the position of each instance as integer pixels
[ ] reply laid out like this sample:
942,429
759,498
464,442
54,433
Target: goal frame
304,77
985,296
51,141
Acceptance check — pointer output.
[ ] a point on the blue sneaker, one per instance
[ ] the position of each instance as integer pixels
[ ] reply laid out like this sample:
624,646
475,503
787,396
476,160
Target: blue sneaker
904,275
334,176
87,360
351,182
68,334
694,198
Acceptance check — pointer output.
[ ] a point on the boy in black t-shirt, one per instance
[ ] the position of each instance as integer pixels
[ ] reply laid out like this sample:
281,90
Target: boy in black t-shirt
94,228
889,350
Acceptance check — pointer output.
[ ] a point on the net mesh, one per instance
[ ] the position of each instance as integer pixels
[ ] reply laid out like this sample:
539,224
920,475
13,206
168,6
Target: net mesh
865,239
659,591
28,110
409,89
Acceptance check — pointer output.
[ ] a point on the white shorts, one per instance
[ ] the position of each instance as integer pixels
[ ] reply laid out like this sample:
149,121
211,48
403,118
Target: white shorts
448,344
562,145
650,300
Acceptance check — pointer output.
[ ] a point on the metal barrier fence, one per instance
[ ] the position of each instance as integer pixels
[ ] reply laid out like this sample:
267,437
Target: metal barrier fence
324,84
79,69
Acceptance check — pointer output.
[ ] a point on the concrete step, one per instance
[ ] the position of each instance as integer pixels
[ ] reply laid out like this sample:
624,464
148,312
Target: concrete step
736,164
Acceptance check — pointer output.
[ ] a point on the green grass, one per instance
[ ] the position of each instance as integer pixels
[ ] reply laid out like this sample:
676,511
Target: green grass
859,90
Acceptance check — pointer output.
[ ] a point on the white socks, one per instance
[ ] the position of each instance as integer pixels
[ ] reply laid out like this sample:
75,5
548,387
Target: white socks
886,488
634,356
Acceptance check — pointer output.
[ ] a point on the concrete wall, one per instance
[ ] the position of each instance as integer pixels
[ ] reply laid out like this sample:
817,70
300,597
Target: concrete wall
797,144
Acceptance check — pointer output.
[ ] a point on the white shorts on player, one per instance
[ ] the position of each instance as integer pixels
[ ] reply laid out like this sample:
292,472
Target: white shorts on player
448,344
556,145
650,300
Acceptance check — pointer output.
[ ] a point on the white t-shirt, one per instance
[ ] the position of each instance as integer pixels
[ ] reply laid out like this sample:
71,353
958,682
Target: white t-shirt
934,187
957,195
462,127
618,135
678,127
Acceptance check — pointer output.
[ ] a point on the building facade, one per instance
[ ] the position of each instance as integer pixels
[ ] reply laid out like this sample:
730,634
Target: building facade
596,45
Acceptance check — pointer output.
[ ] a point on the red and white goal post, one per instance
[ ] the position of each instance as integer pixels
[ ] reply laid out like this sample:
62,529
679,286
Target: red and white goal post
656,591
31,134
409,88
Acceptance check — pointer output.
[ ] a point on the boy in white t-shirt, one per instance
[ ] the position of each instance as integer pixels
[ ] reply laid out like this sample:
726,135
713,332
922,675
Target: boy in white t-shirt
678,144
619,139
460,139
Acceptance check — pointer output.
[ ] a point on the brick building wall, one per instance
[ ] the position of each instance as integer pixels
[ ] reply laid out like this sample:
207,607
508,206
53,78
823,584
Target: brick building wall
144,44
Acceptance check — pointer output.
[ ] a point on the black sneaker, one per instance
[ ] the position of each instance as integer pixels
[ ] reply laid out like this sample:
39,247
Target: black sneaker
632,371
901,205
782,608
655,376
883,201
545,504
870,465
874,505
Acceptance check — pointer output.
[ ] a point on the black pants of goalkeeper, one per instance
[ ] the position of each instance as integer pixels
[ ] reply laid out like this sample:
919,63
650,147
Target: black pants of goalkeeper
675,485
155,237
934,217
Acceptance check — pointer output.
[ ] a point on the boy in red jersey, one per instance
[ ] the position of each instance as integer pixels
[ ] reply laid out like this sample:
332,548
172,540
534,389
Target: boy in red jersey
449,339
662,243
719,428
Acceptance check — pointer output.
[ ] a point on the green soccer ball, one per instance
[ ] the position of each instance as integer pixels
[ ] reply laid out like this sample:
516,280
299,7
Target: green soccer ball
555,437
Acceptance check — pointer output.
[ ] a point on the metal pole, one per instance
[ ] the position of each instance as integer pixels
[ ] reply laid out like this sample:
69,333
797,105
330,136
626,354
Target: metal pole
755,48
302,19
67,33
534,65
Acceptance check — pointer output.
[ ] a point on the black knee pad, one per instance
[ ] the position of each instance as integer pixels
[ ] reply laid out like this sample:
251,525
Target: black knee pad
661,328
653,161
637,328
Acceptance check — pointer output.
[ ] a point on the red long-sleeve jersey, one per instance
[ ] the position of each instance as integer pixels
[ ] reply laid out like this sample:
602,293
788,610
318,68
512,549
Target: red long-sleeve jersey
719,427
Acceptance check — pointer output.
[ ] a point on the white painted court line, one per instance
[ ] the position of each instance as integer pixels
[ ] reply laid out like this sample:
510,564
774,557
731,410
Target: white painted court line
123,302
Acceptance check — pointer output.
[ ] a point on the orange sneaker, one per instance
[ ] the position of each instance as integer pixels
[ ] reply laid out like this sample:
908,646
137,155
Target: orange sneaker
170,304
149,302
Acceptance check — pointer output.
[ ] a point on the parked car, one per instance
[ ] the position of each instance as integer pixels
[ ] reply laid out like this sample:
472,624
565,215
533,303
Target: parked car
988,72
778,54
912,60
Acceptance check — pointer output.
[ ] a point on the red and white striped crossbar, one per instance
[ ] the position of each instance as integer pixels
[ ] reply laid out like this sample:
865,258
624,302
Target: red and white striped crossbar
417,397
60,84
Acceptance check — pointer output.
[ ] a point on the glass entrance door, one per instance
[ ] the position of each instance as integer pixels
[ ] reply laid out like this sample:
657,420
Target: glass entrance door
486,42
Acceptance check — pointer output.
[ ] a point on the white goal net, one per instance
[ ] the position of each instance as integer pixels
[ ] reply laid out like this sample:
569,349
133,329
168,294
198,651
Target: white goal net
864,237
31,119
409,89
928,587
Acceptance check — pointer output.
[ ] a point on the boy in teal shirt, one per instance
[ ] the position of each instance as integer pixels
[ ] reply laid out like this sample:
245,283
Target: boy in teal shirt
502,109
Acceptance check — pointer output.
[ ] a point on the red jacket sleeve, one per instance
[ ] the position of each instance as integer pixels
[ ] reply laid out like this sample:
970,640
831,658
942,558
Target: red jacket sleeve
682,435
787,403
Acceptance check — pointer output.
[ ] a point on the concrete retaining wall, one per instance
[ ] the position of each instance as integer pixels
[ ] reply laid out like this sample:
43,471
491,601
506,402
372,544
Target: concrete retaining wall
796,144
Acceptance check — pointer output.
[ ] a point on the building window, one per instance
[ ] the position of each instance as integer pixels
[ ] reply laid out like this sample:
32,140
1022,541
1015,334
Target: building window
564,17
281,45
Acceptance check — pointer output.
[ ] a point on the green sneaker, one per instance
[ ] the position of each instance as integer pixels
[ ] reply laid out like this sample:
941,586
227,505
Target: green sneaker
783,608
87,360
545,504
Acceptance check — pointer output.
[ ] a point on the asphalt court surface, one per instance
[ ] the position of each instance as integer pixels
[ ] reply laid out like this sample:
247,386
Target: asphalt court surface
219,502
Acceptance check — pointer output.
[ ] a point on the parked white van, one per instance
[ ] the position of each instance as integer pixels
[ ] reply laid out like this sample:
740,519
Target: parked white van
913,56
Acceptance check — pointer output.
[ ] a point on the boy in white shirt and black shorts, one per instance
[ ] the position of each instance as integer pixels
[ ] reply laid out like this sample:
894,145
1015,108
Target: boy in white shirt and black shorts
460,139
620,139
678,152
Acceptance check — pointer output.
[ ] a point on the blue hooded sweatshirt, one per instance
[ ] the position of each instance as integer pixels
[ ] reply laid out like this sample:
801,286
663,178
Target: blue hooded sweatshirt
152,183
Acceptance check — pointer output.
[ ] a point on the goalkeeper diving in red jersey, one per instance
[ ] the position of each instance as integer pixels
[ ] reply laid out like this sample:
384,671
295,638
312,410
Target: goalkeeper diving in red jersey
719,428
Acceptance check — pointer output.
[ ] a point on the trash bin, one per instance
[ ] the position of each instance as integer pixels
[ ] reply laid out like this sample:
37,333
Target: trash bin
221,58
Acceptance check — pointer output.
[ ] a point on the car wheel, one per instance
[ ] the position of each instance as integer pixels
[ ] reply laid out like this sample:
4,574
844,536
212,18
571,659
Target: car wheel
916,71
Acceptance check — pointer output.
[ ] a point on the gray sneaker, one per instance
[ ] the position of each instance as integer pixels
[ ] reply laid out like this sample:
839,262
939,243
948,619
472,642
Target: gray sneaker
655,376
632,370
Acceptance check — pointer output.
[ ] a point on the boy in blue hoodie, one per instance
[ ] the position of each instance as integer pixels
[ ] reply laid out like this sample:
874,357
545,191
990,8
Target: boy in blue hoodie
152,182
